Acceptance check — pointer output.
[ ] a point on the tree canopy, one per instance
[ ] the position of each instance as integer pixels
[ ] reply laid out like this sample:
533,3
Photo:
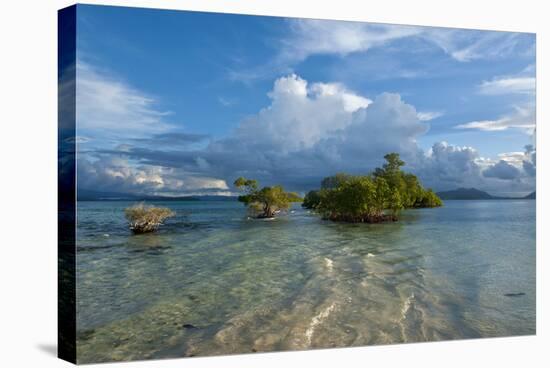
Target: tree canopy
267,201
312,199
376,197
144,219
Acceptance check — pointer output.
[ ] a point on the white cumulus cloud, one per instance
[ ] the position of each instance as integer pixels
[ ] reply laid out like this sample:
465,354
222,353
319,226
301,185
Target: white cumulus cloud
300,115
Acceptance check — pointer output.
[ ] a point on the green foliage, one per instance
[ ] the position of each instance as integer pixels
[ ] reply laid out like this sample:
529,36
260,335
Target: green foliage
249,184
393,164
265,202
395,202
294,197
312,199
331,182
429,199
369,198
410,192
145,219
357,199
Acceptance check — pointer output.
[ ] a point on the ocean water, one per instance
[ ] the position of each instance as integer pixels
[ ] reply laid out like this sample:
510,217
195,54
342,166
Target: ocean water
212,281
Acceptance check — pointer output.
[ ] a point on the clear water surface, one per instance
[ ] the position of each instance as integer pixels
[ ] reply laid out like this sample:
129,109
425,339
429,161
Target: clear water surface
212,281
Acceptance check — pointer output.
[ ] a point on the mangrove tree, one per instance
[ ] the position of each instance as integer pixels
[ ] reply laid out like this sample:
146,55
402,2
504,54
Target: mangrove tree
267,201
145,219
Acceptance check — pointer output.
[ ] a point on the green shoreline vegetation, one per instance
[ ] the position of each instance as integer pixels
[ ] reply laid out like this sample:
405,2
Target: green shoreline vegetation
377,197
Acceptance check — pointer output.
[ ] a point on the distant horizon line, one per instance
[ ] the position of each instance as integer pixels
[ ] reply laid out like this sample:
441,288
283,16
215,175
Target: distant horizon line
96,195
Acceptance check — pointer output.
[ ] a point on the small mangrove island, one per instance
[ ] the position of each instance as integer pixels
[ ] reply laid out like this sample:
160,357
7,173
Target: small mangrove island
145,219
372,198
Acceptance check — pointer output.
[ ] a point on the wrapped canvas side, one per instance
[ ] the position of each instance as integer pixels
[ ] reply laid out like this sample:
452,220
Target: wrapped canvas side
67,184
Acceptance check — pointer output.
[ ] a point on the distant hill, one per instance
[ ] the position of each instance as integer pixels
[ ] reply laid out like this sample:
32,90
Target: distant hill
531,196
464,193
473,193
93,195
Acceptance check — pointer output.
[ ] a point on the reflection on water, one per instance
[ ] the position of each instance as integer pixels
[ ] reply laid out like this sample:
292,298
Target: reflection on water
212,281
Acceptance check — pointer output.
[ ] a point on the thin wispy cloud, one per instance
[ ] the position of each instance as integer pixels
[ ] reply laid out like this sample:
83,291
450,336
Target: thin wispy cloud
501,86
468,45
227,102
110,105
522,88
429,115
310,37
522,117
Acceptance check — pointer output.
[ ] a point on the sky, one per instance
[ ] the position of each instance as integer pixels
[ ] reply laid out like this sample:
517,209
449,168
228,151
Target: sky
182,103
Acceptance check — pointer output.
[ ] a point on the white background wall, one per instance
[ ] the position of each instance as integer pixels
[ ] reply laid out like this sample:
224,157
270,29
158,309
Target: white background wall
28,250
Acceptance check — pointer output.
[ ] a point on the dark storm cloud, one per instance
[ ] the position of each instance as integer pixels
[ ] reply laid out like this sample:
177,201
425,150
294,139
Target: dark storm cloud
502,170
530,162
447,166
529,168
179,139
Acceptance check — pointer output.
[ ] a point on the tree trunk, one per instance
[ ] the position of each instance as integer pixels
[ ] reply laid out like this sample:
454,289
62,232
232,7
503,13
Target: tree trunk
268,211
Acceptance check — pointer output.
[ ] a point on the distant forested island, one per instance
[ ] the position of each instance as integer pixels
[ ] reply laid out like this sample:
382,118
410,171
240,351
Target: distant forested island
93,195
476,194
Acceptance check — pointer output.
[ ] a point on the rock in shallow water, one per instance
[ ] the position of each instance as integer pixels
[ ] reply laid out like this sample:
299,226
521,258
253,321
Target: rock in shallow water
189,326
514,294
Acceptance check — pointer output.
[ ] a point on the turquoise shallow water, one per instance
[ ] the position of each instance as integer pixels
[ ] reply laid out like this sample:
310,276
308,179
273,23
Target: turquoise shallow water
212,281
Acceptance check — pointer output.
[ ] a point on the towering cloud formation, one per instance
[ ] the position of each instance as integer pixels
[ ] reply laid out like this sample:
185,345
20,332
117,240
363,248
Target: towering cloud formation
300,115
449,166
310,131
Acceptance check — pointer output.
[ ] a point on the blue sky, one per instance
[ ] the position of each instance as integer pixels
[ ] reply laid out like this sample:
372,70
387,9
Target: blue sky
174,102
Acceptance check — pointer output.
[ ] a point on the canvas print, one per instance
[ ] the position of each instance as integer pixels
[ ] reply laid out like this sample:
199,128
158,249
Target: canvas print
235,184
